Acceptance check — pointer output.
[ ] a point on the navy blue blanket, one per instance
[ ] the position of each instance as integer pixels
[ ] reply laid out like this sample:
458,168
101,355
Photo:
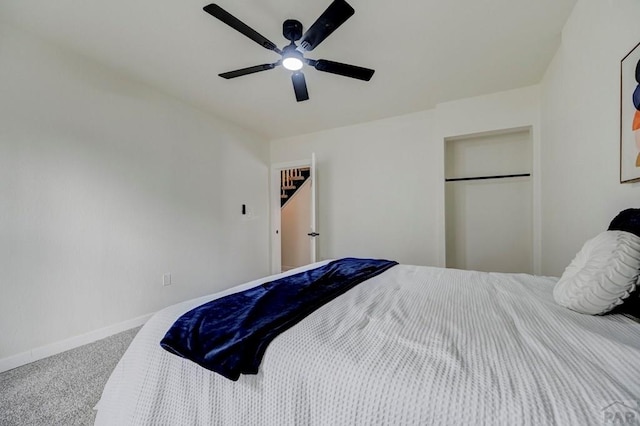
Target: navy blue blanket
229,335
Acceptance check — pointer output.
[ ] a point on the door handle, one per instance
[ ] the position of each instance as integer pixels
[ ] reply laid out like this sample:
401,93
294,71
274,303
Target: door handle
313,234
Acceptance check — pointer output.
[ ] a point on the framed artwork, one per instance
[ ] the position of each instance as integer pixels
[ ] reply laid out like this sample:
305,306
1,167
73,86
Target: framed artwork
630,116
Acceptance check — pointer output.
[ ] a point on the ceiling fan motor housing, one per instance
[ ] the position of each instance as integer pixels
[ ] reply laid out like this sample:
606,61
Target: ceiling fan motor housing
292,30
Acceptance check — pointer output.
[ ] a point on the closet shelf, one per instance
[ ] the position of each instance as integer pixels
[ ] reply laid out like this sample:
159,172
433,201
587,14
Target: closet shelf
487,177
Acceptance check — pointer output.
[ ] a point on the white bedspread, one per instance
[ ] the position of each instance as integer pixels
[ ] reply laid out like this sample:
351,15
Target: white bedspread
414,345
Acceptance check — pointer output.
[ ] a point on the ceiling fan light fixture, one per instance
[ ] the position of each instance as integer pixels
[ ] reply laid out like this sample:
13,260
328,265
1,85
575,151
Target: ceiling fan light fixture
292,59
292,63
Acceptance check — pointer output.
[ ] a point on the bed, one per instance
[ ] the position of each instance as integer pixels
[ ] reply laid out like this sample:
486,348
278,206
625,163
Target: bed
414,345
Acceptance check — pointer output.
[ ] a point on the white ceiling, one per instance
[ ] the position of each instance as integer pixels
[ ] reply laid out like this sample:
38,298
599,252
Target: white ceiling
424,52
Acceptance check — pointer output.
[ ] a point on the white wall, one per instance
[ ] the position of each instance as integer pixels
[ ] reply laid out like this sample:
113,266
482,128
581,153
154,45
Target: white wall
295,219
376,187
381,184
581,192
106,184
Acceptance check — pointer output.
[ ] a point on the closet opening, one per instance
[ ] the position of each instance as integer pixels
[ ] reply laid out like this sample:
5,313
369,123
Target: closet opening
489,201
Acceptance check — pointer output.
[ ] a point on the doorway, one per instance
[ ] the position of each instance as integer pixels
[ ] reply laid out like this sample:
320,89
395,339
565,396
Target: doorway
295,217
293,211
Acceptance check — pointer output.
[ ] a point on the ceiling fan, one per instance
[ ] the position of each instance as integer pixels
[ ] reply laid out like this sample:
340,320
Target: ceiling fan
292,55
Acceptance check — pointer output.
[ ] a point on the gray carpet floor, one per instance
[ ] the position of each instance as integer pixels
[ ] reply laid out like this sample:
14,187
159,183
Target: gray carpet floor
63,389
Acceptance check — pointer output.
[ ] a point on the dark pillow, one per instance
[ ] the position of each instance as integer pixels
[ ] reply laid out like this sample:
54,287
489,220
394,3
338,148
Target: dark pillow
631,305
627,220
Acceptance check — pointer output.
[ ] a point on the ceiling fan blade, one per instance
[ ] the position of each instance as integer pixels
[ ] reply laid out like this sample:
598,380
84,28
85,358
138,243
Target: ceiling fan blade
299,86
335,15
218,12
343,69
248,70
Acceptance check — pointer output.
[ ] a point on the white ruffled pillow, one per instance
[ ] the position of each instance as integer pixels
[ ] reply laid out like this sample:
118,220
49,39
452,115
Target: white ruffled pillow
603,273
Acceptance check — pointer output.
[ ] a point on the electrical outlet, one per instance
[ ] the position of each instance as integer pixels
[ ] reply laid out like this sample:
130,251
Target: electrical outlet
166,279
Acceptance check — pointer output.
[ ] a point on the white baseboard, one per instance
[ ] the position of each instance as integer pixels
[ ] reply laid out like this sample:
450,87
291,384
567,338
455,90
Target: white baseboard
36,354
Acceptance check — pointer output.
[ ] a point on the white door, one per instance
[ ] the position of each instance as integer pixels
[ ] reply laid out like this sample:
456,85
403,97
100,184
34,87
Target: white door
313,233
308,233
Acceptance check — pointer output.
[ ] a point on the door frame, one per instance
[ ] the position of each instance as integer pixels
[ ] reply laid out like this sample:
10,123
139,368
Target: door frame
274,207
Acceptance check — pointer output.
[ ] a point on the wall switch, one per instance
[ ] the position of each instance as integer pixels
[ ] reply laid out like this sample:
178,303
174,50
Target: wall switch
166,279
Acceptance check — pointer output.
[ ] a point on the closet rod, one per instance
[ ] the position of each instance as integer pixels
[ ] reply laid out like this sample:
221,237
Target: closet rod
487,177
